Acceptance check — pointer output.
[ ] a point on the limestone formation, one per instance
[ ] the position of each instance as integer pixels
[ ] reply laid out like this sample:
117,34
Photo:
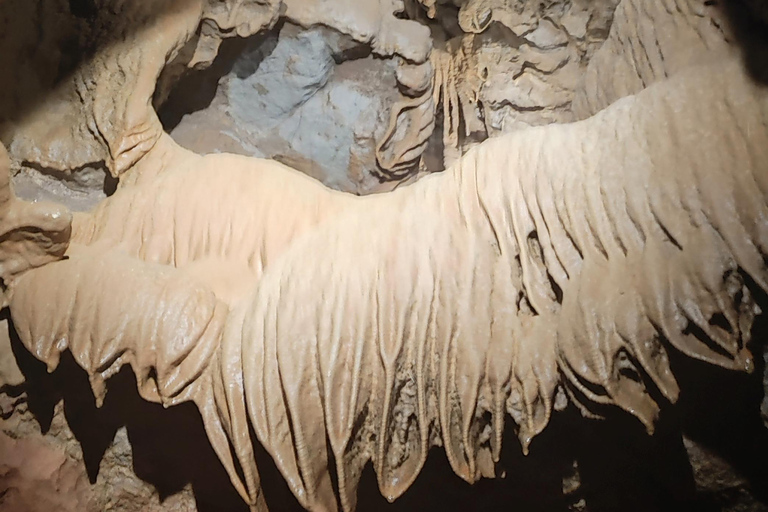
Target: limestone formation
72,107
631,60
451,348
511,65
31,234
101,68
602,256
296,98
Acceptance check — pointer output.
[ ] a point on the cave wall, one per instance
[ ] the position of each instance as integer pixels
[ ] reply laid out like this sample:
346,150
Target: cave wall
90,87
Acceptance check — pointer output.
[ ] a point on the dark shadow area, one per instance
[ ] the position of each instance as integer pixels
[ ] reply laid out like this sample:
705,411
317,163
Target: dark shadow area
623,468
83,8
620,468
720,409
748,21
169,447
74,48
532,483
196,89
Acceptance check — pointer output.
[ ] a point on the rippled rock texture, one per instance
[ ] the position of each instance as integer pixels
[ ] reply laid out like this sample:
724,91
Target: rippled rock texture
364,96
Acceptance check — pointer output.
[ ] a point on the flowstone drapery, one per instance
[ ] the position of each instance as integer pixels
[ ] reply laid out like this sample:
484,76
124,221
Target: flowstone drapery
557,267
485,295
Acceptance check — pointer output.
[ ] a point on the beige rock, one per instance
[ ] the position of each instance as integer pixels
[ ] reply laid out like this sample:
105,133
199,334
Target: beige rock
553,265
378,325
36,477
367,21
523,70
31,234
646,45
231,18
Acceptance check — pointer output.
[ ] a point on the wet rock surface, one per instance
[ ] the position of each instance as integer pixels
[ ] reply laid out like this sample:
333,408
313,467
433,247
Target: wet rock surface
318,101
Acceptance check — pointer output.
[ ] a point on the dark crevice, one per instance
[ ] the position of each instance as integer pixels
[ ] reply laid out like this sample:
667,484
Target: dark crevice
720,321
68,175
110,184
555,289
669,236
628,367
196,89
693,329
83,8
748,21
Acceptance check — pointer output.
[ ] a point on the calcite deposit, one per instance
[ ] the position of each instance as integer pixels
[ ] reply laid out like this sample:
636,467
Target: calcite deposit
383,255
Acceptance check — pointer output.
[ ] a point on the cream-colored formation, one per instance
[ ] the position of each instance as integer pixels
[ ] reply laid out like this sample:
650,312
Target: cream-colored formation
556,264
553,262
31,234
633,59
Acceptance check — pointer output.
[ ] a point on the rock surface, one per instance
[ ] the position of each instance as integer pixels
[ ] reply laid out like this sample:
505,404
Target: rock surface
37,477
632,59
512,65
84,75
320,101
287,99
